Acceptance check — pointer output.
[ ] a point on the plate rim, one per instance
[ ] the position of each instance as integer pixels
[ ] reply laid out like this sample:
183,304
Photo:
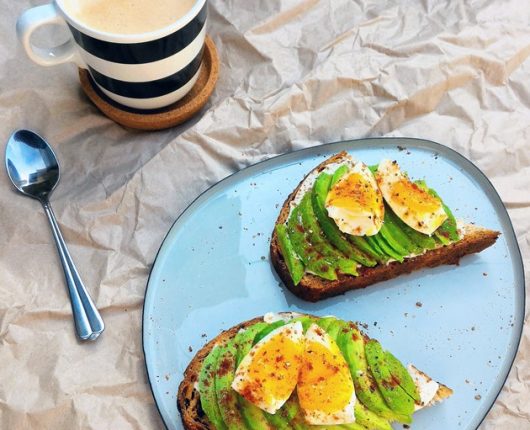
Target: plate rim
324,146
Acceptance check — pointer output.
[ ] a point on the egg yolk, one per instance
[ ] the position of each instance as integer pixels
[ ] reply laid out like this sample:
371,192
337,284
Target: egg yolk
273,371
417,200
355,193
325,382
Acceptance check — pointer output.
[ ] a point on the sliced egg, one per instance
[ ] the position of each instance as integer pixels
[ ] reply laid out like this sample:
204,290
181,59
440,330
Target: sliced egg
415,206
268,374
325,387
355,202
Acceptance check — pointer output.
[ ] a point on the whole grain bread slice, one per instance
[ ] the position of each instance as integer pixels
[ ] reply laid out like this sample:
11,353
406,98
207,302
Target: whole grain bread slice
314,288
188,397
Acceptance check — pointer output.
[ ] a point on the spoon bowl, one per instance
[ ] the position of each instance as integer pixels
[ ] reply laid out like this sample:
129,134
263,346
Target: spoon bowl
31,164
34,171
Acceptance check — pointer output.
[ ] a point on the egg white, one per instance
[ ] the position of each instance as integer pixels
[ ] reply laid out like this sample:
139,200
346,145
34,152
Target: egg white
292,331
365,221
388,174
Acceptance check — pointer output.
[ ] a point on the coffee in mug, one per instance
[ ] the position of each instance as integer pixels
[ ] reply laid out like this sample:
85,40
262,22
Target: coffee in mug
142,54
127,16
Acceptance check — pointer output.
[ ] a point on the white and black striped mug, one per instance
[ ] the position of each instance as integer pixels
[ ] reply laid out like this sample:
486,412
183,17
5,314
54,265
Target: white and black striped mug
148,70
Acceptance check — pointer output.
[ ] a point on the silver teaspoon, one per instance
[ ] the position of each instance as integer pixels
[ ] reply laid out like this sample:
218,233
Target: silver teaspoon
32,167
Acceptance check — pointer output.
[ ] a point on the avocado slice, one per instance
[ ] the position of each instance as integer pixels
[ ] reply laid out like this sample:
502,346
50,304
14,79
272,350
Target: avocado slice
352,345
227,398
369,419
329,228
312,259
266,330
370,240
406,382
423,241
254,417
392,240
291,408
399,235
387,381
277,421
387,249
338,174
367,246
326,322
297,420
281,419
207,390
244,340
294,264
392,235
323,247
305,320
334,329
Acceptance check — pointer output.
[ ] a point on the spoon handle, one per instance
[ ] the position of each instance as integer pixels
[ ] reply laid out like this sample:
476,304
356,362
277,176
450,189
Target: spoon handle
88,322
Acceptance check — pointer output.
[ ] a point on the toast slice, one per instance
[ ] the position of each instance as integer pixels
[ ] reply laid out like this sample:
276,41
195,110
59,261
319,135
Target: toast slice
188,398
313,288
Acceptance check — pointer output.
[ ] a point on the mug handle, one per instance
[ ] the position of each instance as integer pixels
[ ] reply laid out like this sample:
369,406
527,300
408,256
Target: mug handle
32,19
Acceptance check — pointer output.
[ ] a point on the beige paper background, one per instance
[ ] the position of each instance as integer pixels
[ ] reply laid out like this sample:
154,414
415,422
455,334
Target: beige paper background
294,73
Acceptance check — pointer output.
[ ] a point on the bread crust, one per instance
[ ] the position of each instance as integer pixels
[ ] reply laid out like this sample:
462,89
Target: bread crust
313,288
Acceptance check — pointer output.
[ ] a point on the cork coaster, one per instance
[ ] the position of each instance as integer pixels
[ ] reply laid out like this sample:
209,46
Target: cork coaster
167,117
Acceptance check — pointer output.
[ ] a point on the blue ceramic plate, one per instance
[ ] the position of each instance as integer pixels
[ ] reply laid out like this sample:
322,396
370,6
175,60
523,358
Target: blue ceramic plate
460,324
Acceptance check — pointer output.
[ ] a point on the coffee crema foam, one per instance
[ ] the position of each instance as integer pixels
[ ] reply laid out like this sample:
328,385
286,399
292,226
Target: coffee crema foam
127,16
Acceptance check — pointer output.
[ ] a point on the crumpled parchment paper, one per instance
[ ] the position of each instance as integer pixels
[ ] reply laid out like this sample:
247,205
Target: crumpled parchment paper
294,73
